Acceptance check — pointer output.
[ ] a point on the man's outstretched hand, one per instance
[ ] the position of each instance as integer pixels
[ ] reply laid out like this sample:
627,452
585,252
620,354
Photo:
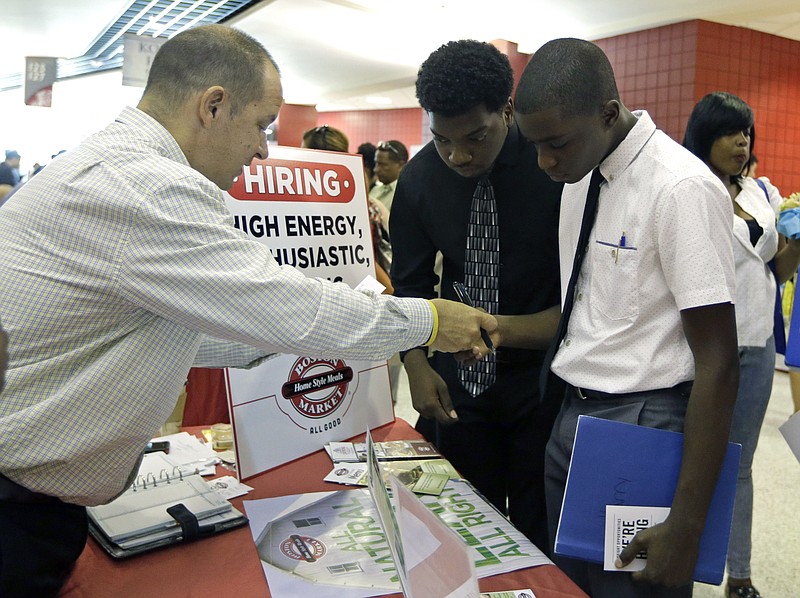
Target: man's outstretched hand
460,328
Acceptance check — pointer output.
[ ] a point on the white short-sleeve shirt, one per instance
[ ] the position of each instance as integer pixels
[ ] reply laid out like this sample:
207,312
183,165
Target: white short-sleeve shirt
755,296
662,243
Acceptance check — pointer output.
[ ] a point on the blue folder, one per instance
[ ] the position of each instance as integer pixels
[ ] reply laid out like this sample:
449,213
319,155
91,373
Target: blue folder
615,463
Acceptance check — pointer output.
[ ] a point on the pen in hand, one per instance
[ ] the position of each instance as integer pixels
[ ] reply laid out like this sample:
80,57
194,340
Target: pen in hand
463,296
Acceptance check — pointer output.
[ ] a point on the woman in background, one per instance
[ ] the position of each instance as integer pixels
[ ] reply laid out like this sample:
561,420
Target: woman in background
721,132
334,140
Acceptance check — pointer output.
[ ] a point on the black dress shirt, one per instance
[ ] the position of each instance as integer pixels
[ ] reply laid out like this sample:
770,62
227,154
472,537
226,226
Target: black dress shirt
430,213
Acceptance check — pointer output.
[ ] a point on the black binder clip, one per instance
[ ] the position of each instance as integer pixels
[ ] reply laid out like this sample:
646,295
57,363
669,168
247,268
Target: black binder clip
190,527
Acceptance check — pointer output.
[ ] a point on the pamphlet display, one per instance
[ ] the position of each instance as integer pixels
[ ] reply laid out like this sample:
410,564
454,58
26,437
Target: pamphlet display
310,208
331,545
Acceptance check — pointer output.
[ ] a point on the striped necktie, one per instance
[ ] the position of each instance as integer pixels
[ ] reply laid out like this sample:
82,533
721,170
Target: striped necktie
481,275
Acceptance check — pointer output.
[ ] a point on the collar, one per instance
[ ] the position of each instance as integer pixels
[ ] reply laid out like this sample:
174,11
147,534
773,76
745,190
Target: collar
384,188
625,153
162,139
509,153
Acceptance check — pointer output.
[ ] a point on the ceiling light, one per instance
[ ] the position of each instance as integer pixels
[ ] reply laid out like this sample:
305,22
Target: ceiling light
331,107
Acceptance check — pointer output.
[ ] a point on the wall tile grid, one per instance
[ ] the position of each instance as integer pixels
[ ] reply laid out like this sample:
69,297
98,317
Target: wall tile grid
655,71
666,70
293,121
764,70
404,124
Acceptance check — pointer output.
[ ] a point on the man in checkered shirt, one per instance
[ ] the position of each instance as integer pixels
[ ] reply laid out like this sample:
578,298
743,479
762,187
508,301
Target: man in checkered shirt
122,269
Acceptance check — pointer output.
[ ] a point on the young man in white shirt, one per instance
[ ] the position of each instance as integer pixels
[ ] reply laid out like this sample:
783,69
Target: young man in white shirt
653,304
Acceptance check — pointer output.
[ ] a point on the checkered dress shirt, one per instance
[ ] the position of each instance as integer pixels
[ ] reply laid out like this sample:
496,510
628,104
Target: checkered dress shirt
120,265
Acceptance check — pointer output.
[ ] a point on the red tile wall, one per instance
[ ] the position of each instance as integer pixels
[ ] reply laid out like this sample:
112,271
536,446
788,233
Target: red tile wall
655,71
293,121
764,70
360,126
666,70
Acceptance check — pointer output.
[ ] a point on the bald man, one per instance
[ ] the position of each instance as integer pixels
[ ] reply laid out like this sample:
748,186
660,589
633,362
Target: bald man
122,269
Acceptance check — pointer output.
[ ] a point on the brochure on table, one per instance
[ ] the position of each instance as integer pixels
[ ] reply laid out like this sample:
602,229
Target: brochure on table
430,558
310,208
332,544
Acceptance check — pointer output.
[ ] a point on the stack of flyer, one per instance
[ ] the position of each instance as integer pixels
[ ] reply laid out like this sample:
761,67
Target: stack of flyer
392,450
416,463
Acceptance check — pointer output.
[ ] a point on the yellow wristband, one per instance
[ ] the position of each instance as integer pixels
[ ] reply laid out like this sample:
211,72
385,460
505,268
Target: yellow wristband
435,330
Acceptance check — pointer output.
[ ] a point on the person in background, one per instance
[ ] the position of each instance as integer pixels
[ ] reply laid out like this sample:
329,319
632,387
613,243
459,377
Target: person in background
493,430
787,291
9,169
9,173
326,138
721,132
367,151
333,140
122,269
648,331
36,169
390,158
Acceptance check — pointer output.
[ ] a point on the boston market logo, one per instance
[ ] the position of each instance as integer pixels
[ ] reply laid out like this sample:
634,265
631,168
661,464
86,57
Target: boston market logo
317,387
303,548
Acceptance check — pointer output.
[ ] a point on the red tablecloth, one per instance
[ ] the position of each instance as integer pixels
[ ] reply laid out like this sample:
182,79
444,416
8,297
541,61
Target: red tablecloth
227,564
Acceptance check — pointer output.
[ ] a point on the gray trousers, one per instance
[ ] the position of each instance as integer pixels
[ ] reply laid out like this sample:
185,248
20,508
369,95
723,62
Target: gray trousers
664,409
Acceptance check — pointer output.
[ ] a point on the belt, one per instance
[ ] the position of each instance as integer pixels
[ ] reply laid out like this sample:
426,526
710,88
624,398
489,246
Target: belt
598,395
12,492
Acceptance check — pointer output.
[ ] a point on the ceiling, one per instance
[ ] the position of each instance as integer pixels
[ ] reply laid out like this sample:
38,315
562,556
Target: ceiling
363,54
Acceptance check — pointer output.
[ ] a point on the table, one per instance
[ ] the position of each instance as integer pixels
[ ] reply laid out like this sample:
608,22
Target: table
228,565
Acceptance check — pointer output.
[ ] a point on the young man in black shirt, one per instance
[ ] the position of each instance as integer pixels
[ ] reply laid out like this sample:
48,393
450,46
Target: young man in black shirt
493,426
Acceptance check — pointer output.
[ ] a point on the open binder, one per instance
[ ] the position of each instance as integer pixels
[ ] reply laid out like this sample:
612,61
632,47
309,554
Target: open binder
158,512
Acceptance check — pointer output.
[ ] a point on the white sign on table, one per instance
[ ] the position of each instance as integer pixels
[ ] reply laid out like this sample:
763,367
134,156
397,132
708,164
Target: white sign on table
310,208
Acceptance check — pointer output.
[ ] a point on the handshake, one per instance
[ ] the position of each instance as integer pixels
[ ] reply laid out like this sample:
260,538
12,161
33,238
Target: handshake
464,329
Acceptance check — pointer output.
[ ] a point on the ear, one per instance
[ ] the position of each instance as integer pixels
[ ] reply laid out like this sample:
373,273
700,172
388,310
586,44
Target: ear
212,101
508,112
611,112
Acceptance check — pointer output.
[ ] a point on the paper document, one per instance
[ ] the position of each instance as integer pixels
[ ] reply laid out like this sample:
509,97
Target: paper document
791,433
623,522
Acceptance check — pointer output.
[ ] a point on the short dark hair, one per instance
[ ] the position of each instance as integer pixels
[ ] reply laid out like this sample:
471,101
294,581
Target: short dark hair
571,74
199,58
367,151
463,74
326,138
717,114
396,150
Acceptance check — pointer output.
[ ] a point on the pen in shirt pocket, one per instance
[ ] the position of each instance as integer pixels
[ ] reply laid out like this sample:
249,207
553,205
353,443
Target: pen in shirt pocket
620,243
